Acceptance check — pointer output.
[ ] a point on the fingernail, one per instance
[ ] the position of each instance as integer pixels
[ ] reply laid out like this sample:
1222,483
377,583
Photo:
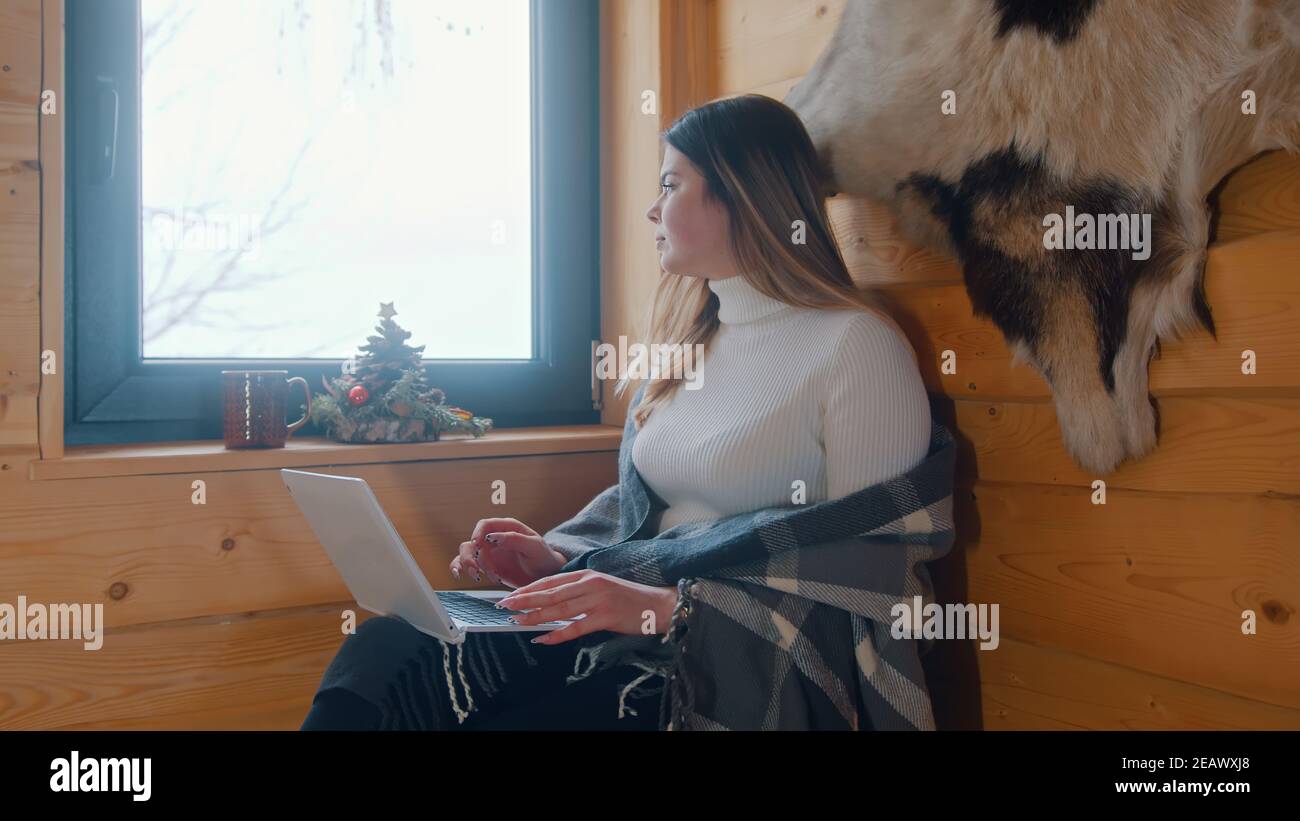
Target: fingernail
537,640
456,573
513,620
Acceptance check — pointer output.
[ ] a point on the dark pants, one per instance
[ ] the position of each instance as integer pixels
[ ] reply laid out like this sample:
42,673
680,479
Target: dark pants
388,675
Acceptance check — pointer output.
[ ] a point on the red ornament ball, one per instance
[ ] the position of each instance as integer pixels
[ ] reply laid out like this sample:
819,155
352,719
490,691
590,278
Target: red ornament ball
358,395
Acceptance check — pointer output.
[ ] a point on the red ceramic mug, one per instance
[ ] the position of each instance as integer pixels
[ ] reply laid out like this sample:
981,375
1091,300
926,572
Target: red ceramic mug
253,407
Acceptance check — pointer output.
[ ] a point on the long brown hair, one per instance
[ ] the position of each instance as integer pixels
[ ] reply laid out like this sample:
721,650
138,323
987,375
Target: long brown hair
760,164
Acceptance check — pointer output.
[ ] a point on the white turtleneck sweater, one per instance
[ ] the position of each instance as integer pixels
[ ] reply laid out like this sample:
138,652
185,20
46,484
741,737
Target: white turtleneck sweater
830,397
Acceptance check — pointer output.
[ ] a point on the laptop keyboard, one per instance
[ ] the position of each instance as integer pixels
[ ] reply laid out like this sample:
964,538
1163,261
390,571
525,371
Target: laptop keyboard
477,611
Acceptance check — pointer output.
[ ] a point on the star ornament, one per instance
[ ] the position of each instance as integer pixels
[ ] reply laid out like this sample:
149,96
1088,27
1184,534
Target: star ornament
386,310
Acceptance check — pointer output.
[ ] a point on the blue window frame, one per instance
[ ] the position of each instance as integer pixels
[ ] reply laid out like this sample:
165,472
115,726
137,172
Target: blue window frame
114,395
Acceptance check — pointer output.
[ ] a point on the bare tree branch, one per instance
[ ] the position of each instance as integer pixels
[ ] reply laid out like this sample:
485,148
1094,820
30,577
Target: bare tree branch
158,33
185,285
277,216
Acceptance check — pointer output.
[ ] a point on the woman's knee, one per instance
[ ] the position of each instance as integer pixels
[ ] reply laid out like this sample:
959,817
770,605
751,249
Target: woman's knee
375,654
388,632
385,625
339,709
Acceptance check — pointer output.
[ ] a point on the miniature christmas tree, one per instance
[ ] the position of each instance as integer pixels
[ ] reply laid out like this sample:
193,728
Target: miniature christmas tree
383,395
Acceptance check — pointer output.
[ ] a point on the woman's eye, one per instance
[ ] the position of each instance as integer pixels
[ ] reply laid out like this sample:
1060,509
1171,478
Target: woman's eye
664,185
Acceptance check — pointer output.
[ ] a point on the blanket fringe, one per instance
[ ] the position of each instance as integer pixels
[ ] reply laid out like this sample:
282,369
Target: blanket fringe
614,652
649,673
590,654
461,714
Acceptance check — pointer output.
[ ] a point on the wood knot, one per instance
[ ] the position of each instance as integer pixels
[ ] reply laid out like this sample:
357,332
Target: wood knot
821,11
118,591
970,386
227,544
1276,612
993,411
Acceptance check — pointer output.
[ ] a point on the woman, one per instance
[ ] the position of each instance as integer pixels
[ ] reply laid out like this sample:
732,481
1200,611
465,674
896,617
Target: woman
812,393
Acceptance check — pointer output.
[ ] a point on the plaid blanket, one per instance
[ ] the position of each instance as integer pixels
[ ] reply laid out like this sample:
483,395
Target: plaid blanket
783,618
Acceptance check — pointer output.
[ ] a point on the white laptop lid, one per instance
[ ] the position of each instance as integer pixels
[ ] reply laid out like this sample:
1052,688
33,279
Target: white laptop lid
365,547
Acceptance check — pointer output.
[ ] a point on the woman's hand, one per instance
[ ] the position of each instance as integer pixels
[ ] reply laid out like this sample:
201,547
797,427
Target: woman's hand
610,603
507,550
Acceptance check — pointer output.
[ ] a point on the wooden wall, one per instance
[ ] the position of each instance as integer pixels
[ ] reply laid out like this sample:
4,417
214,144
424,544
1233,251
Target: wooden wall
20,235
1126,615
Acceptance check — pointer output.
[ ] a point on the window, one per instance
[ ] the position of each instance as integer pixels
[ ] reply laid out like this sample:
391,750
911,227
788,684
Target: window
248,180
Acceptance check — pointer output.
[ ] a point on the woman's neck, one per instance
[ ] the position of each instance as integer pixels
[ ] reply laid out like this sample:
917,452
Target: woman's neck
739,302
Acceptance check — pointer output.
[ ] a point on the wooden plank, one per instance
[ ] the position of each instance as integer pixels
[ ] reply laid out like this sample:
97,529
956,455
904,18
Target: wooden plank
1025,687
20,78
20,210
20,316
1261,196
141,547
766,41
939,318
20,83
18,443
249,671
1156,582
631,155
687,57
50,402
875,252
1250,285
1253,290
206,455
1207,445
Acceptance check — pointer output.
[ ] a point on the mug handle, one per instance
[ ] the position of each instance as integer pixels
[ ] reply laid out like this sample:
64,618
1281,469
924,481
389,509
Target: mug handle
306,389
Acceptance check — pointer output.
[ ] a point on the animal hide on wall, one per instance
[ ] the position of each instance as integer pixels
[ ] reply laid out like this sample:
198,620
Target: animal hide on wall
1104,108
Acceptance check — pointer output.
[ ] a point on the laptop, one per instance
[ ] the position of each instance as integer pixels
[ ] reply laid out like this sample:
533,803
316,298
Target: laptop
380,572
